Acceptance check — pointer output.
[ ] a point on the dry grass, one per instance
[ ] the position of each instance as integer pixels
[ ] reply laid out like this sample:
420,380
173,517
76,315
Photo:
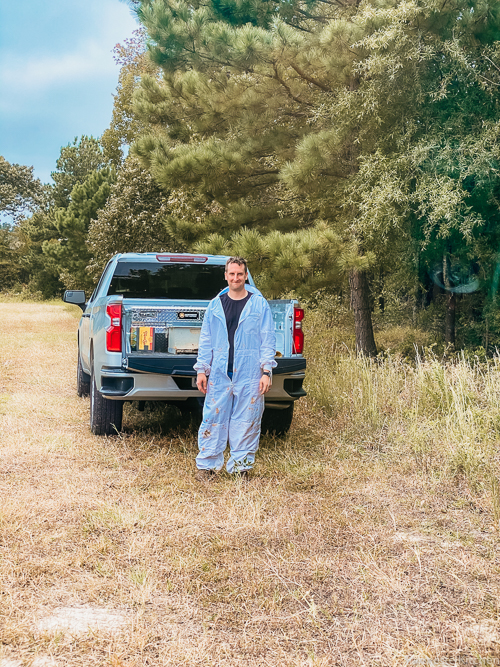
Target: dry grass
353,545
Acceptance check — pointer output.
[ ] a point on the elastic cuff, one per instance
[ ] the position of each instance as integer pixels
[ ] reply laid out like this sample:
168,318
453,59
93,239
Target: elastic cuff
205,370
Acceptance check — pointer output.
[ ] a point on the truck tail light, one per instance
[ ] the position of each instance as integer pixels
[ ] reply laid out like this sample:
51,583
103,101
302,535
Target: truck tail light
114,331
298,334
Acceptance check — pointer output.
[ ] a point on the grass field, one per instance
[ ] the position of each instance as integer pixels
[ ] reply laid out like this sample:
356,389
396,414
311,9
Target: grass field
368,536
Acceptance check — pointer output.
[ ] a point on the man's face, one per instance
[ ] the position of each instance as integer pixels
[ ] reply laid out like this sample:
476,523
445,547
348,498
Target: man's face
236,276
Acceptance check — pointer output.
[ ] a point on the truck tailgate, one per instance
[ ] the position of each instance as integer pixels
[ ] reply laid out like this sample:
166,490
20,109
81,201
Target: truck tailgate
164,339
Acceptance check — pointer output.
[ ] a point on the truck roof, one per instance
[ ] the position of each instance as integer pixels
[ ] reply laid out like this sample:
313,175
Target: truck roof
148,256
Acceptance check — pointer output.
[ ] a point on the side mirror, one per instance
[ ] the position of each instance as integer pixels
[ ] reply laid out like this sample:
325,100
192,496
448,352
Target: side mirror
76,297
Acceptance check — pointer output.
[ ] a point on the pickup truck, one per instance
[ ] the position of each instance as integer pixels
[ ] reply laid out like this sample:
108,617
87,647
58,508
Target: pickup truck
139,331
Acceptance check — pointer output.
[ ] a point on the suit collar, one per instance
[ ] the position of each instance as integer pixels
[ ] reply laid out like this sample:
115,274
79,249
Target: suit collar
219,310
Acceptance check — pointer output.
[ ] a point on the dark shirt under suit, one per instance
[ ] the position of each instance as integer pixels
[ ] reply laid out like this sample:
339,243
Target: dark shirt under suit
232,310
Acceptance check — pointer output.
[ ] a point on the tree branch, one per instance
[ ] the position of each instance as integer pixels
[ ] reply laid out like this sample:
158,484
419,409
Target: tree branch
494,65
493,83
287,88
321,19
263,173
303,75
296,26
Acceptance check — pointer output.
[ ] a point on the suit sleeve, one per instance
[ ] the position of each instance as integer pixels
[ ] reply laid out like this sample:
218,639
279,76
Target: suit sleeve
205,352
267,339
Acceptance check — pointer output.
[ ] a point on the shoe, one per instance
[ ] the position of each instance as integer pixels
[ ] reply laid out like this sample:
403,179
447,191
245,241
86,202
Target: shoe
243,475
205,475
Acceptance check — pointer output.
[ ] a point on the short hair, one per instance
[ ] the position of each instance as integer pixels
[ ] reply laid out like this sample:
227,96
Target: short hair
237,260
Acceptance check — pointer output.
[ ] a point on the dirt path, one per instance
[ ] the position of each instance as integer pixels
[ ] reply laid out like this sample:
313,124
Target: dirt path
110,554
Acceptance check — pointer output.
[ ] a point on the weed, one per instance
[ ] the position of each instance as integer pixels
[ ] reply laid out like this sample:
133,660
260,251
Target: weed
495,500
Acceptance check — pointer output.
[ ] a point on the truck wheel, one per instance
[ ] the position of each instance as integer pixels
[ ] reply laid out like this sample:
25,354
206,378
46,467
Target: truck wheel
105,415
82,379
277,421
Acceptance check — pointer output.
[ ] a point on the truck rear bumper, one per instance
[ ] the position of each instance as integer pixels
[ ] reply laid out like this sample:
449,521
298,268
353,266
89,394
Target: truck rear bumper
168,364
119,384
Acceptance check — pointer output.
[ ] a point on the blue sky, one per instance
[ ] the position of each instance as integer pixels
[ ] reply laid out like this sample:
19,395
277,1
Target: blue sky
57,74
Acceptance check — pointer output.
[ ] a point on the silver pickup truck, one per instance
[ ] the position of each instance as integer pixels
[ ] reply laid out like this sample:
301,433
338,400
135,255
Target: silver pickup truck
138,338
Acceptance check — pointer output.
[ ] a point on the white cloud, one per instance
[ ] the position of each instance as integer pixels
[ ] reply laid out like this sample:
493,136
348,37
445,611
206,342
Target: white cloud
38,74
57,74
91,57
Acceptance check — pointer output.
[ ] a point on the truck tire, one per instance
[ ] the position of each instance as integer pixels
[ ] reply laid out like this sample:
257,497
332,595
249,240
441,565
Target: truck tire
82,379
105,415
277,421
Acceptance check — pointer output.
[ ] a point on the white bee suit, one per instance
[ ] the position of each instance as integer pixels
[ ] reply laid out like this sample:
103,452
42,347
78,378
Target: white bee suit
233,408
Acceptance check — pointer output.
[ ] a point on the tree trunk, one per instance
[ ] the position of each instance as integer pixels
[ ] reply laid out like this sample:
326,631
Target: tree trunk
381,299
451,305
449,327
360,303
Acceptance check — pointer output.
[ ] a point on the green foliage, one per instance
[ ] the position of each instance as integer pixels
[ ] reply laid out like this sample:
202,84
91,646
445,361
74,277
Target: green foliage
226,132
75,163
366,110
20,191
69,251
133,219
319,139
306,259
125,127
432,182
20,249
11,248
42,270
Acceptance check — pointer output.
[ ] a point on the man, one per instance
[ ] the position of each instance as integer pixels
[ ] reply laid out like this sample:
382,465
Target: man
235,361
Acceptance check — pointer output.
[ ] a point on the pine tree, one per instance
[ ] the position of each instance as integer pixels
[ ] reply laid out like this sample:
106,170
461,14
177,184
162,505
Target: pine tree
76,161
265,106
241,80
69,250
40,269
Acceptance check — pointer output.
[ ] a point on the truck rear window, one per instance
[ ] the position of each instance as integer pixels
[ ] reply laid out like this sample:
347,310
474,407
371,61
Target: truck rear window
150,280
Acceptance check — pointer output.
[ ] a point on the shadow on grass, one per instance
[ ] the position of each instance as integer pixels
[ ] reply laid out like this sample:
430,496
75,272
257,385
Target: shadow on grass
168,424
159,419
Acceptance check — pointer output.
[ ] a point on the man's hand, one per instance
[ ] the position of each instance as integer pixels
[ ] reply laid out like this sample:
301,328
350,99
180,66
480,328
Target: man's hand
201,382
264,384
